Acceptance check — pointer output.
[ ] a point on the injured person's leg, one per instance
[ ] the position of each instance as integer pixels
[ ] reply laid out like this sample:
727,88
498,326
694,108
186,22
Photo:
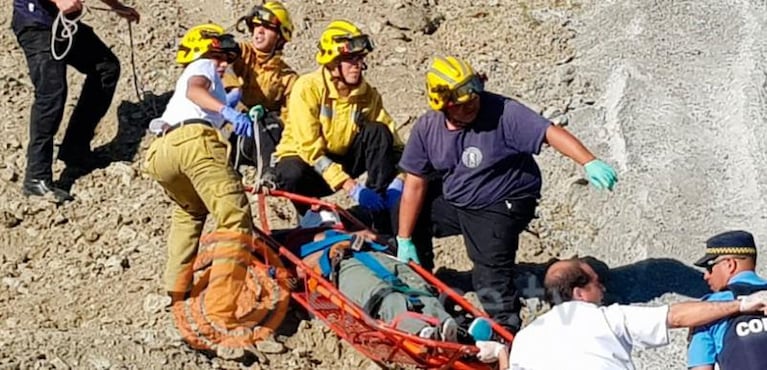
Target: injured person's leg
386,288
360,284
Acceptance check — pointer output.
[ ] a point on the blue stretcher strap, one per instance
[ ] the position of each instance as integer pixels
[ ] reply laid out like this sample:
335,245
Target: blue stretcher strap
387,276
378,269
330,239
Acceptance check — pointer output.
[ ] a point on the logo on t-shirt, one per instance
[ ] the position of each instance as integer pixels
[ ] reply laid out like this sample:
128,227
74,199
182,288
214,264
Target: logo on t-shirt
471,157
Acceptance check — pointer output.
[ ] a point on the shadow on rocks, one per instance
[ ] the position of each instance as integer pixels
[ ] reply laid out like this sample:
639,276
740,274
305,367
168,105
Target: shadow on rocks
638,282
649,279
132,120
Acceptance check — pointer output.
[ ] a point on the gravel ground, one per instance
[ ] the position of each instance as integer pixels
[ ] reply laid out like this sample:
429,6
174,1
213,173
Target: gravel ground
666,91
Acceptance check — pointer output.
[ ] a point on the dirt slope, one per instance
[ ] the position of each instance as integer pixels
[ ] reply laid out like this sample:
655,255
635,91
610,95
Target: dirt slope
80,284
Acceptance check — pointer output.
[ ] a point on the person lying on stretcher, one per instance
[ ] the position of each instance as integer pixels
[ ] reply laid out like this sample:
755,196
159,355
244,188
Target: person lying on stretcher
386,288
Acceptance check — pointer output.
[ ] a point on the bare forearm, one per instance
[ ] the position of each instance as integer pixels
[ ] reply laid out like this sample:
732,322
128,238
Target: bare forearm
704,367
202,97
567,144
689,314
411,202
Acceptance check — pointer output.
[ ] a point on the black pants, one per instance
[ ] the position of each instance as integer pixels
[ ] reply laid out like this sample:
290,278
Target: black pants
491,236
371,151
90,56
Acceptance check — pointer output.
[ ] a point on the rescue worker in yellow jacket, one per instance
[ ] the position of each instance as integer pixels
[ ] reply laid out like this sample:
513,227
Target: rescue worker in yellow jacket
261,77
338,129
189,159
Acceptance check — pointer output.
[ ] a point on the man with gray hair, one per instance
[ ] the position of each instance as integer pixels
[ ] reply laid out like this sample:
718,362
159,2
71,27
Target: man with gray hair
596,337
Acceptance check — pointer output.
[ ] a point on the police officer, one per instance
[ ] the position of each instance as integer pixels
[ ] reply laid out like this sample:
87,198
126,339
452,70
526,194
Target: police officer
739,342
470,171
32,25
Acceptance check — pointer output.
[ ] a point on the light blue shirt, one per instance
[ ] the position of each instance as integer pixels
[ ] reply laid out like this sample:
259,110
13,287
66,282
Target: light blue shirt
707,342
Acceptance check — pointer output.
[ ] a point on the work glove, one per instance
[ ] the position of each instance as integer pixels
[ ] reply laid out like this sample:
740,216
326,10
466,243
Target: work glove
233,97
600,174
394,192
406,250
754,302
367,198
489,351
243,126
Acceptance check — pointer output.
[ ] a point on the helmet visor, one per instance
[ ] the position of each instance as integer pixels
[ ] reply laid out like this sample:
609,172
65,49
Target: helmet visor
264,17
354,45
466,91
224,47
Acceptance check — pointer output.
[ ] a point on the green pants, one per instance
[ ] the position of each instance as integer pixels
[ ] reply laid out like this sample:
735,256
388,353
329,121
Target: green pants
192,165
358,283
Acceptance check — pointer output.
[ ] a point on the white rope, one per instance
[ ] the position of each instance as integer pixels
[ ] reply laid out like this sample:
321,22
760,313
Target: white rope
259,158
257,138
68,30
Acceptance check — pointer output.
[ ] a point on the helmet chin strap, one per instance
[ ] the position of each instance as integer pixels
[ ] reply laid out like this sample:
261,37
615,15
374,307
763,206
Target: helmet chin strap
343,78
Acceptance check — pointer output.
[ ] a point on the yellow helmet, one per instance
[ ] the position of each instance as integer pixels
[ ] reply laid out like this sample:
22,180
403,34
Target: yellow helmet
205,39
341,38
451,81
272,14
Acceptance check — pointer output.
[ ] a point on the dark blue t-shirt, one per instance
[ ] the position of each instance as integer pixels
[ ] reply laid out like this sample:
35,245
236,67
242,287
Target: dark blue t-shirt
488,162
40,12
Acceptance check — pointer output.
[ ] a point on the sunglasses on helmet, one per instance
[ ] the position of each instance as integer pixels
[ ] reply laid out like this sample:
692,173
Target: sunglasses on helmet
264,17
354,44
466,91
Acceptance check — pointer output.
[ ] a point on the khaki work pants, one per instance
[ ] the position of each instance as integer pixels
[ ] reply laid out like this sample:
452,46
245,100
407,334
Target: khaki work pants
191,164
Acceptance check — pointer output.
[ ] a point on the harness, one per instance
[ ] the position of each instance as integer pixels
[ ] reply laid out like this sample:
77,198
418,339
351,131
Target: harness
360,250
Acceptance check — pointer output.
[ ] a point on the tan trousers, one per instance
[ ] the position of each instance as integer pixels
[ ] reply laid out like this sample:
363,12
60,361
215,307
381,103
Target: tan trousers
191,164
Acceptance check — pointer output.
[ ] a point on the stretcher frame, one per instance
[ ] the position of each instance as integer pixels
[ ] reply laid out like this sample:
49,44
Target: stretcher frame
373,338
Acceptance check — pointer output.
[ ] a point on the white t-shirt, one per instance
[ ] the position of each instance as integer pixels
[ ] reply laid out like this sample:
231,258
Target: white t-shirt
180,108
582,335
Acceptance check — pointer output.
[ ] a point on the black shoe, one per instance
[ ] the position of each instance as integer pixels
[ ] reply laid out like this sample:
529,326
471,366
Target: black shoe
45,188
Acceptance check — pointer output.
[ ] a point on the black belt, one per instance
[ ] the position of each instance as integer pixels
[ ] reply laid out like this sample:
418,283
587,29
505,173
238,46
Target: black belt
166,128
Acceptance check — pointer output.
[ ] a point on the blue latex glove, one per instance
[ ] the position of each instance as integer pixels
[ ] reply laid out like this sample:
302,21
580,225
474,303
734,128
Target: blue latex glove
600,174
233,97
406,250
243,126
394,192
367,198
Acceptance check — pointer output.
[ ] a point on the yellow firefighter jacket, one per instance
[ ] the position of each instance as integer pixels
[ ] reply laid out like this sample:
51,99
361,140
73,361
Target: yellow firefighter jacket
263,79
322,122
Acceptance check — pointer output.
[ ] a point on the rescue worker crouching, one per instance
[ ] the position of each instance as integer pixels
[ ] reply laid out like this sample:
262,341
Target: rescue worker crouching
337,127
736,342
262,77
189,159
471,172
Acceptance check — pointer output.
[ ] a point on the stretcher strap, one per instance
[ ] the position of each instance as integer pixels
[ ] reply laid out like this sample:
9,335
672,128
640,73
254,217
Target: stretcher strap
395,285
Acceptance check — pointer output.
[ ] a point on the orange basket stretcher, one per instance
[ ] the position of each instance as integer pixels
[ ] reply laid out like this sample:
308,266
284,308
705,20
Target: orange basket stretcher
377,340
